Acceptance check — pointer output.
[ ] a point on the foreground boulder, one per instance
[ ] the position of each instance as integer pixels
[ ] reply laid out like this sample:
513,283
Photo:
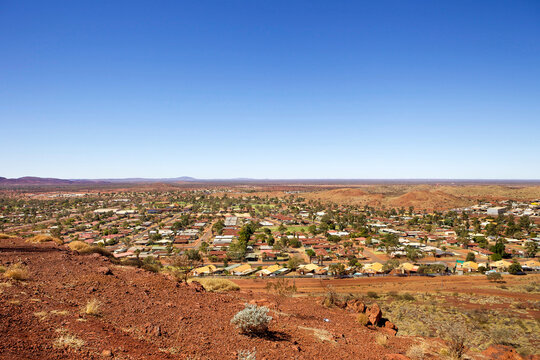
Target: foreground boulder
374,314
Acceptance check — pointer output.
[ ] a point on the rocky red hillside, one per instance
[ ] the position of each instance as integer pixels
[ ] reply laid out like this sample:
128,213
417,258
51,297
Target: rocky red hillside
144,315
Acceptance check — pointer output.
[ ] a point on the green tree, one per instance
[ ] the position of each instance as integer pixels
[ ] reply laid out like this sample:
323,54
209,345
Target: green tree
470,257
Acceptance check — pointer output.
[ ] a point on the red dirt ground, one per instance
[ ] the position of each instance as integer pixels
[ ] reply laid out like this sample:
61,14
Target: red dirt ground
149,316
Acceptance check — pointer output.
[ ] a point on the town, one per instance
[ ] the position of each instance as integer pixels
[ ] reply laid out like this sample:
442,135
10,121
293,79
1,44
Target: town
230,232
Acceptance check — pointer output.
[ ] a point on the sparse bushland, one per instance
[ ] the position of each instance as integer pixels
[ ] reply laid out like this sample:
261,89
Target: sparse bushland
17,272
92,307
216,285
41,238
65,340
252,320
483,327
281,287
372,294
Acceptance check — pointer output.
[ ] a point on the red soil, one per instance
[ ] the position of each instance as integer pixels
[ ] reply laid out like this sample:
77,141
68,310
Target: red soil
149,316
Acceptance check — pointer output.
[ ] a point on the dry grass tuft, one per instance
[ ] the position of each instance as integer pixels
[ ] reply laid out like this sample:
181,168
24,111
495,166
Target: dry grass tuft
92,307
416,352
41,238
17,272
60,312
217,285
41,315
67,340
78,245
382,340
93,249
7,236
362,319
2,269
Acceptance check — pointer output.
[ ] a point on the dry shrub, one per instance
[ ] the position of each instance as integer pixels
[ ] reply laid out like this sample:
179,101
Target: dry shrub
67,340
281,287
78,245
93,249
456,336
381,339
2,269
253,320
41,238
217,285
92,307
362,319
331,298
17,272
416,352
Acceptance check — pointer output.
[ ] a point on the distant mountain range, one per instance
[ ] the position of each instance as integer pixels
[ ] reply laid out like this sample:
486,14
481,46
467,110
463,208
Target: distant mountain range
34,180
37,181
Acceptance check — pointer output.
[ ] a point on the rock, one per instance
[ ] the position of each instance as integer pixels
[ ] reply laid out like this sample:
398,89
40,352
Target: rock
391,332
501,352
356,305
390,325
107,353
104,270
197,286
374,314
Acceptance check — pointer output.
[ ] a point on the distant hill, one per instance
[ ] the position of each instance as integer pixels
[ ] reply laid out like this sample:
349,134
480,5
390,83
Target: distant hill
33,180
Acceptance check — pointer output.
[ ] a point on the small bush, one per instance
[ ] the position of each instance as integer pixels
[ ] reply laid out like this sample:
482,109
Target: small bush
362,319
372,294
218,285
381,339
2,269
92,307
247,355
41,238
408,297
78,245
93,249
416,352
252,320
331,298
17,272
496,277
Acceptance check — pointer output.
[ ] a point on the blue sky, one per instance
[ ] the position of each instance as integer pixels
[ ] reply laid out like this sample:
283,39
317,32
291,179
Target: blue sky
270,89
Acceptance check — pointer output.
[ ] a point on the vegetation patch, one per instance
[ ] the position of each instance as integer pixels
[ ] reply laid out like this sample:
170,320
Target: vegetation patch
17,272
217,285
41,238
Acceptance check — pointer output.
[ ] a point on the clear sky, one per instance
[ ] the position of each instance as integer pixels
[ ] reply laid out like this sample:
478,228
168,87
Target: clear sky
270,89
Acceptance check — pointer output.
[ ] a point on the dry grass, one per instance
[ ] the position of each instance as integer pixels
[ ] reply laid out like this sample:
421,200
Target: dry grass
59,312
17,272
67,340
41,238
362,319
381,339
7,236
93,249
92,307
41,315
78,245
2,269
217,285
416,352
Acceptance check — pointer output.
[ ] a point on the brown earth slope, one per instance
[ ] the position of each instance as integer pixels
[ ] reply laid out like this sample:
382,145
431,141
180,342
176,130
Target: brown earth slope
150,316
